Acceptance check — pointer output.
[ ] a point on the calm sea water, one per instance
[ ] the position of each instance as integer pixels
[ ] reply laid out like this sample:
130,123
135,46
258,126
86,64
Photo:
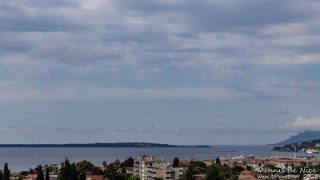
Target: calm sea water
25,158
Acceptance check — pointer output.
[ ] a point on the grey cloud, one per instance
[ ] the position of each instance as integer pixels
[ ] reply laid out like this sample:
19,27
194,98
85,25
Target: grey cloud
36,17
308,49
74,53
80,130
146,38
178,131
282,112
226,15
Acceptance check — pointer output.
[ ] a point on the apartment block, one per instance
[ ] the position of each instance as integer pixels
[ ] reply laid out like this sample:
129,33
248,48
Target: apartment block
151,167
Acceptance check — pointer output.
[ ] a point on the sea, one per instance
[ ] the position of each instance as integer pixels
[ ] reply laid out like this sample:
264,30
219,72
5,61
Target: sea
23,158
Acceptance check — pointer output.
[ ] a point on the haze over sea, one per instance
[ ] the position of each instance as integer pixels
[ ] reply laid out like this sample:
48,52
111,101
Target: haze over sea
24,158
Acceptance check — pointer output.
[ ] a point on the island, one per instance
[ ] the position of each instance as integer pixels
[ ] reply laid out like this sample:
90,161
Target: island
111,145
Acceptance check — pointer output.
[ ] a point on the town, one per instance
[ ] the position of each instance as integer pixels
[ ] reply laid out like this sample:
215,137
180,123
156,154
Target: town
149,167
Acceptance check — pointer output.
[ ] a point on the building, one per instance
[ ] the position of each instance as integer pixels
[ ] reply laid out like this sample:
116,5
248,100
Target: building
151,167
30,177
34,177
95,177
247,175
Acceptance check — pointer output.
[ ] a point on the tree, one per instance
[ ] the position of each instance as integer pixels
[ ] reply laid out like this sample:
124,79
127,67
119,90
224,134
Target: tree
82,176
97,171
0,175
117,162
197,167
6,172
218,161
134,178
175,162
188,175
65,172
40,175
248,168
31,171
85,166
213,174
129,162
111,172
47,174
73,172
104,164
237,170
189,172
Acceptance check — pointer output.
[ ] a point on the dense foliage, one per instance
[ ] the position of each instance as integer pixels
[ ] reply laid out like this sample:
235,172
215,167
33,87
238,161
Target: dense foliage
212,172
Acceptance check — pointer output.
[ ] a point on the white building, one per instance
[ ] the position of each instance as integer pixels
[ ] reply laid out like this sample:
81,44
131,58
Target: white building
151,167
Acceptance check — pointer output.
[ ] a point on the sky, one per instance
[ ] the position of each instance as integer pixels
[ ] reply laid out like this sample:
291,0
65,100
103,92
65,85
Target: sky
216,72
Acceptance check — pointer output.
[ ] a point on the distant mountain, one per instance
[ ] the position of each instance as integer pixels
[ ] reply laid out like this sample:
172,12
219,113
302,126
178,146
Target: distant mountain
120,144
300,146
301,136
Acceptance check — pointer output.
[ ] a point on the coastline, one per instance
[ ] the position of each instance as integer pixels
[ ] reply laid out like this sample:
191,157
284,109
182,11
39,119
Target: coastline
22,158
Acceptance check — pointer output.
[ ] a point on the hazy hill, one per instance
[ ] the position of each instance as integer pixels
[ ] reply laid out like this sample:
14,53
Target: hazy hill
299,146
301,136
120,144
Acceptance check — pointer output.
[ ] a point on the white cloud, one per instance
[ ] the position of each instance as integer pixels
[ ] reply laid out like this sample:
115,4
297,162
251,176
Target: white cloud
13,130
303,123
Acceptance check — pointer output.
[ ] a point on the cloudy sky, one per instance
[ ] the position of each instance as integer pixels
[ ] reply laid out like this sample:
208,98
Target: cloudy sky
170,71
